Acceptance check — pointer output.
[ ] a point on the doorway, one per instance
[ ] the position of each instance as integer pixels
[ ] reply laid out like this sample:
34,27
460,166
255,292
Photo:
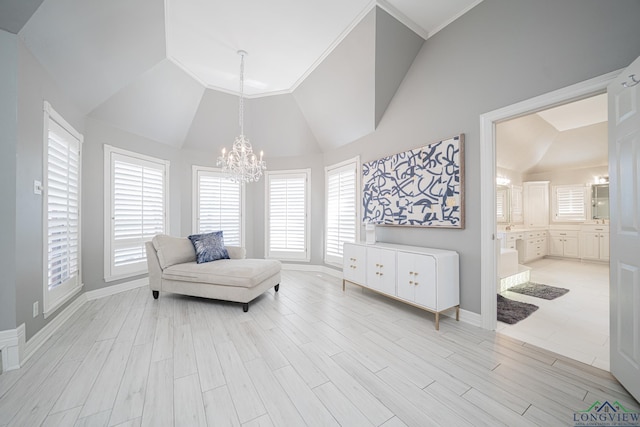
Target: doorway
563,151
489,242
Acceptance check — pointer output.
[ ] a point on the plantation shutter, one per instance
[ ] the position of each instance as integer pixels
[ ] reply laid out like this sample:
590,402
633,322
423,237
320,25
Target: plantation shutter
138,208
341,210
219,206
63,201
501,201
570,203
287,216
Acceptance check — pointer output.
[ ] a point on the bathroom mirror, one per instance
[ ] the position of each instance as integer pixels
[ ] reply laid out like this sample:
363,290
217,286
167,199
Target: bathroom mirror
600,201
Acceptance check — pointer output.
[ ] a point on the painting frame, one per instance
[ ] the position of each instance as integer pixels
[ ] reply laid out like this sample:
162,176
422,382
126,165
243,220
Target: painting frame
420,187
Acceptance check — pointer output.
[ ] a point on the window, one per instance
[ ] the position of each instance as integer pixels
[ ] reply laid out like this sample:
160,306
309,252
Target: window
136,209
61,212
287,225
341,191
218,204
501,204
569,203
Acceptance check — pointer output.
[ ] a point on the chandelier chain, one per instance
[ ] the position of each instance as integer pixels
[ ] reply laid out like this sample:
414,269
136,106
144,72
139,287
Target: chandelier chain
240,163
241,103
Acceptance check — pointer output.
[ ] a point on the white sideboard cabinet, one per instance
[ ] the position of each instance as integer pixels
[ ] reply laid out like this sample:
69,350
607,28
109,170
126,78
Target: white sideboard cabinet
423,277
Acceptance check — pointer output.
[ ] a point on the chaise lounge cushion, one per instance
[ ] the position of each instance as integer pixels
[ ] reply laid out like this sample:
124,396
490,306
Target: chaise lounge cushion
173,250
245,273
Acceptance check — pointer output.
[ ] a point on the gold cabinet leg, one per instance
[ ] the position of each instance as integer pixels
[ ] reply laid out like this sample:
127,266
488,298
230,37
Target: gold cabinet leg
457,312
343,285
437,321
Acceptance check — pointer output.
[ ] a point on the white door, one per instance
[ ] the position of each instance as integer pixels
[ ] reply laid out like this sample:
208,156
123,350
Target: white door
624,193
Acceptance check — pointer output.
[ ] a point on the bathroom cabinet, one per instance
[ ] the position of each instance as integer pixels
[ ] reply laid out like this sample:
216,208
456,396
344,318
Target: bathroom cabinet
564,243
595,242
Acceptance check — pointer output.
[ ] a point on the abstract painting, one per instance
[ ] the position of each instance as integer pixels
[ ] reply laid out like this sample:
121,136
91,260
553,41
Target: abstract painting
420,187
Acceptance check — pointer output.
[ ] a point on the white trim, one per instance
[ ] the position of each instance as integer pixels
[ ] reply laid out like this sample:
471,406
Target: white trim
410,23
466,316
195,169
53,114
488,275
313,268
50,310
51,299
109,150
116,289
50,328
358,183
10,346
30,347
306,257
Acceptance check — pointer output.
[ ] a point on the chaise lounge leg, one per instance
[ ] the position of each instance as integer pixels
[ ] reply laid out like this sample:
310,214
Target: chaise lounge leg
277,287
245,307
155,294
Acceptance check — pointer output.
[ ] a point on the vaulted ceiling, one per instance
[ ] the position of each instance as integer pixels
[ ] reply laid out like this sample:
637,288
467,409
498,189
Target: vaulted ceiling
319,73
570,136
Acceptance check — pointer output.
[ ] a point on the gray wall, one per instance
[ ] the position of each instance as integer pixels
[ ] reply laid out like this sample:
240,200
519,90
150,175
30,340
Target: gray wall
34,86
499,53
396,48
8,140
97,135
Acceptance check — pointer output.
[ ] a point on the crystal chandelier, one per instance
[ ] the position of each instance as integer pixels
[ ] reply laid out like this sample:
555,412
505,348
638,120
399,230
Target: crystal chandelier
241,164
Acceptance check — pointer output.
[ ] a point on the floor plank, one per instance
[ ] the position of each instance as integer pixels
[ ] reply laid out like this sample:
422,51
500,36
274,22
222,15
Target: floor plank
308,355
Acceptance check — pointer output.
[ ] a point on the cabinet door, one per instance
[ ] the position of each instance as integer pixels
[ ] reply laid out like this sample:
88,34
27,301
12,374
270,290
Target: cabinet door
354,263
425,282
381,270
417,279
556,245
590,245
536,198
530,249
406,282
604,246
571,247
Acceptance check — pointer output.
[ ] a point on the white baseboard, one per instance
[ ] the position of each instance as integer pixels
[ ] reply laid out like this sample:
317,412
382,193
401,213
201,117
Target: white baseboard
466,316
313,268
10,348
36,341
116,289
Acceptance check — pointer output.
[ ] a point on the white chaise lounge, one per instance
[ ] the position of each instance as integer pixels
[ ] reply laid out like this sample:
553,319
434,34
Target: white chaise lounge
173,268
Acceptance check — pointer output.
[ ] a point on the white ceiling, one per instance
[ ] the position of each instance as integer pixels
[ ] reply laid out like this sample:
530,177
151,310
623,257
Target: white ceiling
570,136
203,37
149,66
577,114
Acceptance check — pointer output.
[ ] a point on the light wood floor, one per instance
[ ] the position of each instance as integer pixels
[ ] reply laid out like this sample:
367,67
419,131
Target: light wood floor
308,355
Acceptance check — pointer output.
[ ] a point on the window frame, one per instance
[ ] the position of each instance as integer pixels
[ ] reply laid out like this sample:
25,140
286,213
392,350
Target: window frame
112,273
54,298
555,205
353,163
195,199
304,256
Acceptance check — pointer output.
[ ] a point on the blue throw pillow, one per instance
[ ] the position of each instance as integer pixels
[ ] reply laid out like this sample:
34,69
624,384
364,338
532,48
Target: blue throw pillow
209,247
